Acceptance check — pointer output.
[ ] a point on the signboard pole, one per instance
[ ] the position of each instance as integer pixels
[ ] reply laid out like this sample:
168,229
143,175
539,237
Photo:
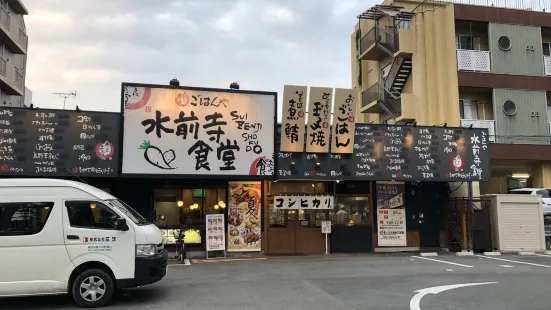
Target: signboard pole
326,229
470,211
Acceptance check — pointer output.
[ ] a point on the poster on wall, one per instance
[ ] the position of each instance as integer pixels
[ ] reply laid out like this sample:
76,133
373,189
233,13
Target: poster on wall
342,137
293,118
197,131
244,216
320,102
216,234
391,214
304,202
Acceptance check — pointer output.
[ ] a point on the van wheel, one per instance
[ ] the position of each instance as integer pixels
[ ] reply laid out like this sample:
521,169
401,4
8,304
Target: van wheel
93,288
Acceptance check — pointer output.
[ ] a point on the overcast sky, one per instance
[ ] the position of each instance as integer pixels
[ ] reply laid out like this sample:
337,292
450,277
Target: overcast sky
93,46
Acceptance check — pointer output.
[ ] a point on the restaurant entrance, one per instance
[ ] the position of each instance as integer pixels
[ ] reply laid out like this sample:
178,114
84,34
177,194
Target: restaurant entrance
292,232
185,206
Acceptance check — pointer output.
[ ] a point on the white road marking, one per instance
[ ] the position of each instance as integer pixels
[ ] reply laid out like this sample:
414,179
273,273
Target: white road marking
516,261
444,262
449,270
414,303
506,266
544,255
186,263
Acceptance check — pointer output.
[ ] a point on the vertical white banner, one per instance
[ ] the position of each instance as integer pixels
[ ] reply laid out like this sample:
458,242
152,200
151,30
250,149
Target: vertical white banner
293,124
320,102
344,115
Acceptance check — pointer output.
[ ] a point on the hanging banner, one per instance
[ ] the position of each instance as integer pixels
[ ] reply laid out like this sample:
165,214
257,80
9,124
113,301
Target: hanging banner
216,234
391,214
319,111
244,217
344,114
293,118
304,202
194,131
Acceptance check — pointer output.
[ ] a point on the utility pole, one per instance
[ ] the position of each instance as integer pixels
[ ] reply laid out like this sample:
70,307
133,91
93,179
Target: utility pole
72,94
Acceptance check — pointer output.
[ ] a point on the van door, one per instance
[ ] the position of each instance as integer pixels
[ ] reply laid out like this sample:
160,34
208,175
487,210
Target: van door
32,251
91,235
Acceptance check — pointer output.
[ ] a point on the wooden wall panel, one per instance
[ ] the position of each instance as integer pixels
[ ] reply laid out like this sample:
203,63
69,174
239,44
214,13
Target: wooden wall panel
310,241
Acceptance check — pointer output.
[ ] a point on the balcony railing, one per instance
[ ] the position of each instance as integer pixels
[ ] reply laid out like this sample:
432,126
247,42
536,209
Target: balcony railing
547,64
470,60
372,93
4,18
19,79
3,67
379,35
22,39
478,123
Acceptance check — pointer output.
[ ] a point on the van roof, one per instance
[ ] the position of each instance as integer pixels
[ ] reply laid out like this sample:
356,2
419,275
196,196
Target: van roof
56,183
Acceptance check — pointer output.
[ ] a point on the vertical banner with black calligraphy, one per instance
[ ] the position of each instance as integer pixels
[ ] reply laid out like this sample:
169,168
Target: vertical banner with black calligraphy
293,118
391,214
342,141
198,132
319,118
244,217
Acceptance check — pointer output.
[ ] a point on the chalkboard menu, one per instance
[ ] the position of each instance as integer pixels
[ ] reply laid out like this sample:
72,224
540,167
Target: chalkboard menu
58,142
389,152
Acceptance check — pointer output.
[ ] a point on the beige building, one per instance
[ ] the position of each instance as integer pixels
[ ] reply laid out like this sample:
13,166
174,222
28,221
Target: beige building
13,52
434,63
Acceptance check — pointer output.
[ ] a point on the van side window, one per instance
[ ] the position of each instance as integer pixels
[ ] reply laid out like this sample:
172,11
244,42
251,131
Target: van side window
91,214
23,218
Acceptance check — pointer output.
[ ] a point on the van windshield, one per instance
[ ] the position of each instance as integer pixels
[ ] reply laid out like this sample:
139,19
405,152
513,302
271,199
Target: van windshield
132,214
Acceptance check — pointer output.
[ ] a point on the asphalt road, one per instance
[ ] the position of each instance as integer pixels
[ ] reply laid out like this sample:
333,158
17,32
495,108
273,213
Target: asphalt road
338,282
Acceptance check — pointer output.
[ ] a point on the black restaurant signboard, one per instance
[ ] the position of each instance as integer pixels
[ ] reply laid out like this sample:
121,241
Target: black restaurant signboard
58,143
407,153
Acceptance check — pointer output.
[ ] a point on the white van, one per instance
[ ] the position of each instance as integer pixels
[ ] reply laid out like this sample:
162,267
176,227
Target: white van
66,237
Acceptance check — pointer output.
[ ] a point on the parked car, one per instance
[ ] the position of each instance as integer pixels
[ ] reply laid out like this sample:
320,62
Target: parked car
67,237
544,193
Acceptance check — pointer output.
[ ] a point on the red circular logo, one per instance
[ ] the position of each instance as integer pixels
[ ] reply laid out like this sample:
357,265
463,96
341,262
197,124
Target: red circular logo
351,119
300,113
105,150
141,102
457,162
325,125
181,100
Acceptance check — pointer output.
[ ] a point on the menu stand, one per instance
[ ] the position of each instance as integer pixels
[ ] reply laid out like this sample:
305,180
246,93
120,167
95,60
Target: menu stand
215,235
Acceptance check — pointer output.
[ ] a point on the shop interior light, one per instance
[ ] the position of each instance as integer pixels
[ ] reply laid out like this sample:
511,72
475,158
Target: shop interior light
313,185
92,205
338,181
222,204
180,204
520,176
216,207
292,163
318,164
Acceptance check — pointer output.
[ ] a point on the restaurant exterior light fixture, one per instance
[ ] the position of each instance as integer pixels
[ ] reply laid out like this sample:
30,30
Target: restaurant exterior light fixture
520,176
222,204
216,207
180,203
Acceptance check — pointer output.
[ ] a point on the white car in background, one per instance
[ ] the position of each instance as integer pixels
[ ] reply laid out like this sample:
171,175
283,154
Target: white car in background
544,193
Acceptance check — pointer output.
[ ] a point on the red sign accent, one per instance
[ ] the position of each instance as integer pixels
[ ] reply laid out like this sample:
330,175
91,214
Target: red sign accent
140,103
181,100
4,167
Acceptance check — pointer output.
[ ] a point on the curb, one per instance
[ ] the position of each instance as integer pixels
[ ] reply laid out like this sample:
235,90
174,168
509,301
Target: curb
465,253
429,254
547,252
491,253
526,253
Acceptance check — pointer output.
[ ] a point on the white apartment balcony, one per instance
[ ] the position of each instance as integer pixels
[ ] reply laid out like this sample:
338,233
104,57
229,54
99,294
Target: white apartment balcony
471,60
547,65
478,123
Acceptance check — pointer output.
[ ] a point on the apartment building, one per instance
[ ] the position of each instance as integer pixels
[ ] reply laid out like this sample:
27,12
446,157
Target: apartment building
436,62
13,52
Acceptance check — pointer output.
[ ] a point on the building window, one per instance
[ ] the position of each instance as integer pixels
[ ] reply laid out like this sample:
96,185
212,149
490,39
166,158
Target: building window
464,42
468,109
23,218
546,49
350,211
303,218
91,214
403,24
549,113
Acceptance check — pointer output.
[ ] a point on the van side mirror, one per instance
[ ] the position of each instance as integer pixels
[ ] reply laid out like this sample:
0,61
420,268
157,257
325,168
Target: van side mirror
121,224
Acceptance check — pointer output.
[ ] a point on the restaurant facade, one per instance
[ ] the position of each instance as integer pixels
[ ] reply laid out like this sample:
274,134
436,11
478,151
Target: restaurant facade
183,156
